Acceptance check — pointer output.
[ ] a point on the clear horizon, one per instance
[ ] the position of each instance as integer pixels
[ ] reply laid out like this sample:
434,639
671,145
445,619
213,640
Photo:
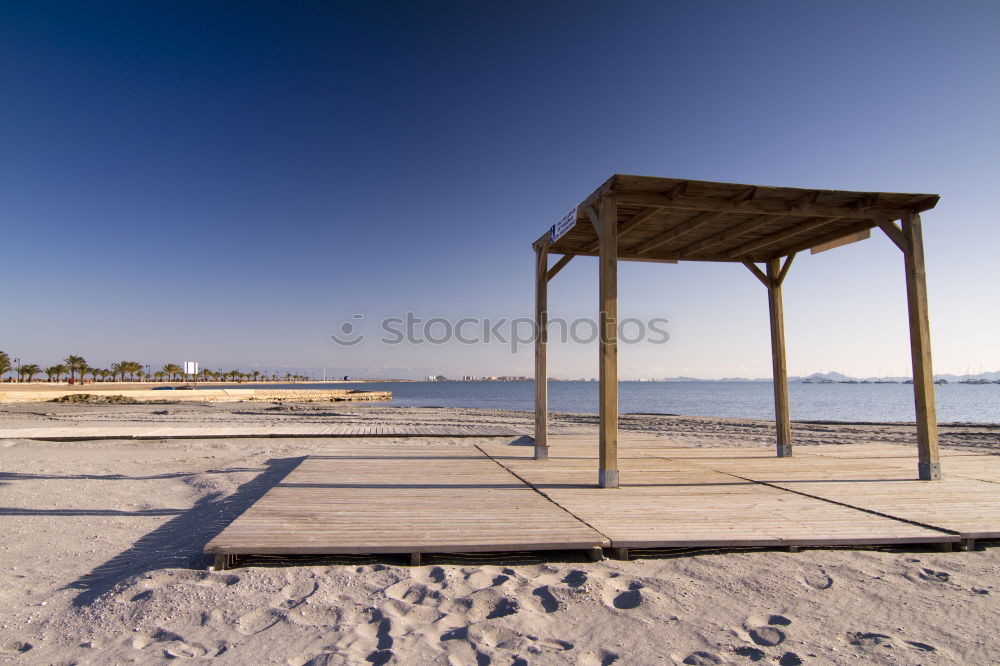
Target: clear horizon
232,185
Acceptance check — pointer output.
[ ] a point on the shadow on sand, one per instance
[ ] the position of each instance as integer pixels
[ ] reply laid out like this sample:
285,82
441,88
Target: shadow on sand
180,541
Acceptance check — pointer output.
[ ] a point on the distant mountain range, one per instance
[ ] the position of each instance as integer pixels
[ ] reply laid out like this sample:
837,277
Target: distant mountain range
838,377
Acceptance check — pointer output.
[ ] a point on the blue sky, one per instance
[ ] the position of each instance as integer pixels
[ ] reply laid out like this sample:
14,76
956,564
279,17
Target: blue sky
230,181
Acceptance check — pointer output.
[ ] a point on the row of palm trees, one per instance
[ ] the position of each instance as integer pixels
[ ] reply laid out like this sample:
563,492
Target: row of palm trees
76,367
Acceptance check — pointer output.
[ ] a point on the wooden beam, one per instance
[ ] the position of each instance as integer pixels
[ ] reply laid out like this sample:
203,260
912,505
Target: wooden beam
929,461
785,267
676,232
847,239
608,354
559,265
759,273
728,235
745,197
895,234
541,351
627,256
720,205
803,202
825,238
782,417
630,224
779,236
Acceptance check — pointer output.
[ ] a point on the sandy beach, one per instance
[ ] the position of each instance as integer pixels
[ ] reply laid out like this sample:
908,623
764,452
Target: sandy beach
103,563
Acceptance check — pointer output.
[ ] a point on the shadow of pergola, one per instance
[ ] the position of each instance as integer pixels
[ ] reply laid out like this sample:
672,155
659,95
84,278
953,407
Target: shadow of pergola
180,541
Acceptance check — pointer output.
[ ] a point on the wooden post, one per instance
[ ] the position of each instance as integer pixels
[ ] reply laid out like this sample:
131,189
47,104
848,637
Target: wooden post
929,465
608,328
541,345
782,417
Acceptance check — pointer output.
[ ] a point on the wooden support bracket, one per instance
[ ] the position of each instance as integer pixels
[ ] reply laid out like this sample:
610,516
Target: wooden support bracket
895,234
784,268
758,273
558,266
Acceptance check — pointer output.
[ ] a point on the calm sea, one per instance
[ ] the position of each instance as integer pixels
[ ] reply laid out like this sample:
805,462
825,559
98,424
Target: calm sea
833,402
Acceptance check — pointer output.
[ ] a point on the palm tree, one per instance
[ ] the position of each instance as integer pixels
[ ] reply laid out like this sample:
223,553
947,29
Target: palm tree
134,367
119,369
94,372
4,364
28,371
105,373
75,363
172,369
53,371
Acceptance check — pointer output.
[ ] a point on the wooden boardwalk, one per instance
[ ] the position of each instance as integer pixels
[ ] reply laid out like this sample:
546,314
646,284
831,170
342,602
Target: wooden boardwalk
159,431
423,496
360,497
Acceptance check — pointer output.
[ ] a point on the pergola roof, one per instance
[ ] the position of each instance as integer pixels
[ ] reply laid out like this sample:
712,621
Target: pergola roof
671,219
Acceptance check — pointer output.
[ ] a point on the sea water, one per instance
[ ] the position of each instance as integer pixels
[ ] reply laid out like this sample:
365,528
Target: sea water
824,402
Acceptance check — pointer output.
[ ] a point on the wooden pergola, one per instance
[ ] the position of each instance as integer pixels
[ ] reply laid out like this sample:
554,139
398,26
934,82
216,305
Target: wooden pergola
640,218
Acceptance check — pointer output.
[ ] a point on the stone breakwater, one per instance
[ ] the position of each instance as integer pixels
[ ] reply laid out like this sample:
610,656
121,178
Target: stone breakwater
206,395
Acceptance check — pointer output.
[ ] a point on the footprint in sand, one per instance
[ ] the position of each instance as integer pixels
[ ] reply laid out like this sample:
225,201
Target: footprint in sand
182,650
767,636
548,644
630,598
934,576
868,639
818,580
329,659
187,576
923,647
575,578
257,621
549,603
764,631
436,574
14,646
411,593
702,658
751,653
789,659
296,593
503,608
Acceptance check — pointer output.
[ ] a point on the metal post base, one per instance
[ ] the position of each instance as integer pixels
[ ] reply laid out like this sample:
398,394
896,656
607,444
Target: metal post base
784,450
607,478
541,453
929,471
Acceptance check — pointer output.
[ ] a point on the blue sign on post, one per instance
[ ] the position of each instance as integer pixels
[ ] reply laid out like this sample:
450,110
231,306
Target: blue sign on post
558,229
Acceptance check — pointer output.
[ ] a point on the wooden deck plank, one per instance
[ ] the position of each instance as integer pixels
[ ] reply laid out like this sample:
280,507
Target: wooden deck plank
401,499
691,506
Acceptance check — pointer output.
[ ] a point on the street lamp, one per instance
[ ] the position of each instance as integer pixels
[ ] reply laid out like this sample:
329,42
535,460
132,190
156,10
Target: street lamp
17,364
